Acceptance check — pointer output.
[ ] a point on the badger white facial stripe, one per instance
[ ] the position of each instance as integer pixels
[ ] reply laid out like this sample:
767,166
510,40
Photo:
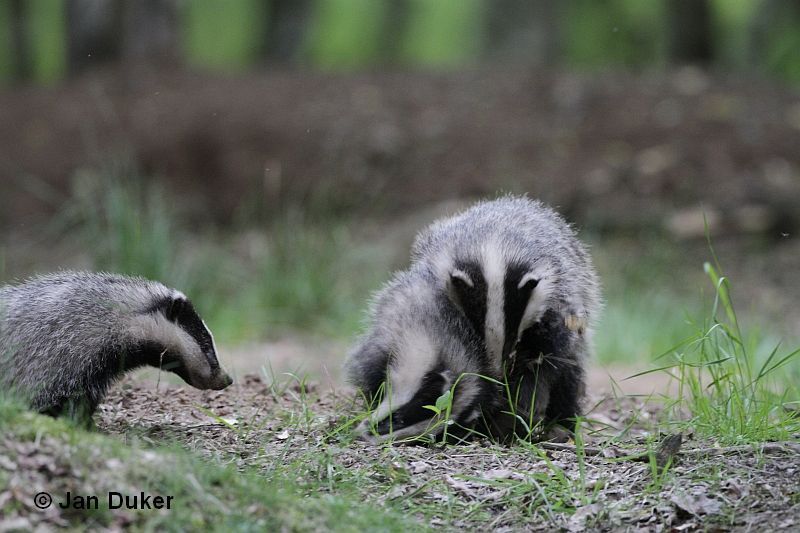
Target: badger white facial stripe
494,273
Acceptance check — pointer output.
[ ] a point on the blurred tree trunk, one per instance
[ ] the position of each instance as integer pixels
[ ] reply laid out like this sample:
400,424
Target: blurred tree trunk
22,69
287,21
132,31
393,29
523,30
151,32
94,33
690,36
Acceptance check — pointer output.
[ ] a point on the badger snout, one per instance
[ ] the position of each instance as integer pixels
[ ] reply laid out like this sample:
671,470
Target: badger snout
223,381
217,380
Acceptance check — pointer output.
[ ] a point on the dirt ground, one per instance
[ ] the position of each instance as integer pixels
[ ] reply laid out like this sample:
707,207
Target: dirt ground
322,359
708,487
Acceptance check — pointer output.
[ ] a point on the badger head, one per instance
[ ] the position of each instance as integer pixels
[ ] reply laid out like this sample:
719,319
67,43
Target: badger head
427,385
177,339
501,295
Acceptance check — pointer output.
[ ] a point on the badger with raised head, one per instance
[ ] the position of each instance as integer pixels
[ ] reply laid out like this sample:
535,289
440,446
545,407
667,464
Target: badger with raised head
66,337
526,293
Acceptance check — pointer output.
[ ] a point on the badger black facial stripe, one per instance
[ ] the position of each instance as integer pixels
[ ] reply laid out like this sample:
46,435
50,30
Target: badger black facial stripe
414,411
180,310
517,296
548,338
470,297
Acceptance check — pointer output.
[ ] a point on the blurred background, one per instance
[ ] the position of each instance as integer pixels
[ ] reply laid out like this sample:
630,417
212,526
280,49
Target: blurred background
274,158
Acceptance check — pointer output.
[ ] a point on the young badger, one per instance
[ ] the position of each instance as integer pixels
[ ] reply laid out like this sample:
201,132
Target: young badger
514,272
417,346
65,338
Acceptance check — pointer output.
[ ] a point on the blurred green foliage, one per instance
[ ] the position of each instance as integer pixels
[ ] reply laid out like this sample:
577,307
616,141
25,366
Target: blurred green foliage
223,34
346,34
5,43
46,29
48,39
443,33
618,32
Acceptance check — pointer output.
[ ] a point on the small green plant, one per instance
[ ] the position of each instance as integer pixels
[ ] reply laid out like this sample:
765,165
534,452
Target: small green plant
442,409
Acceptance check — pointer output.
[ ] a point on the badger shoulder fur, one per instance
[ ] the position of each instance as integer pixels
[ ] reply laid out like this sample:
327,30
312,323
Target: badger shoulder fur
416,348
66,337
503,290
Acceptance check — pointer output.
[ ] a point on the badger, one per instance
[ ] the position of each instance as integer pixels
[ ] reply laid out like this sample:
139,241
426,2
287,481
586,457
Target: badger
523,290
66,337
417,348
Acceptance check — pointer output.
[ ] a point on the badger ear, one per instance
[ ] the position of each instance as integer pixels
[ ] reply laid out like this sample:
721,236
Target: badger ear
173,307
458,286
460,279
528,282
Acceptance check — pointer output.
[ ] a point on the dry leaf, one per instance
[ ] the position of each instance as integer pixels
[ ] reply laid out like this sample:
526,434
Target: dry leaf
696,504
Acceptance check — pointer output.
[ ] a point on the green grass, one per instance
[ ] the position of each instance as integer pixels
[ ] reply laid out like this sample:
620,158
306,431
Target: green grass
730,385
206,496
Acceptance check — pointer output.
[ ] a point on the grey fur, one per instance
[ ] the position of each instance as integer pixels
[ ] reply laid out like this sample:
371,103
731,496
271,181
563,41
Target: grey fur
65,338
415,332
544,356
508,284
